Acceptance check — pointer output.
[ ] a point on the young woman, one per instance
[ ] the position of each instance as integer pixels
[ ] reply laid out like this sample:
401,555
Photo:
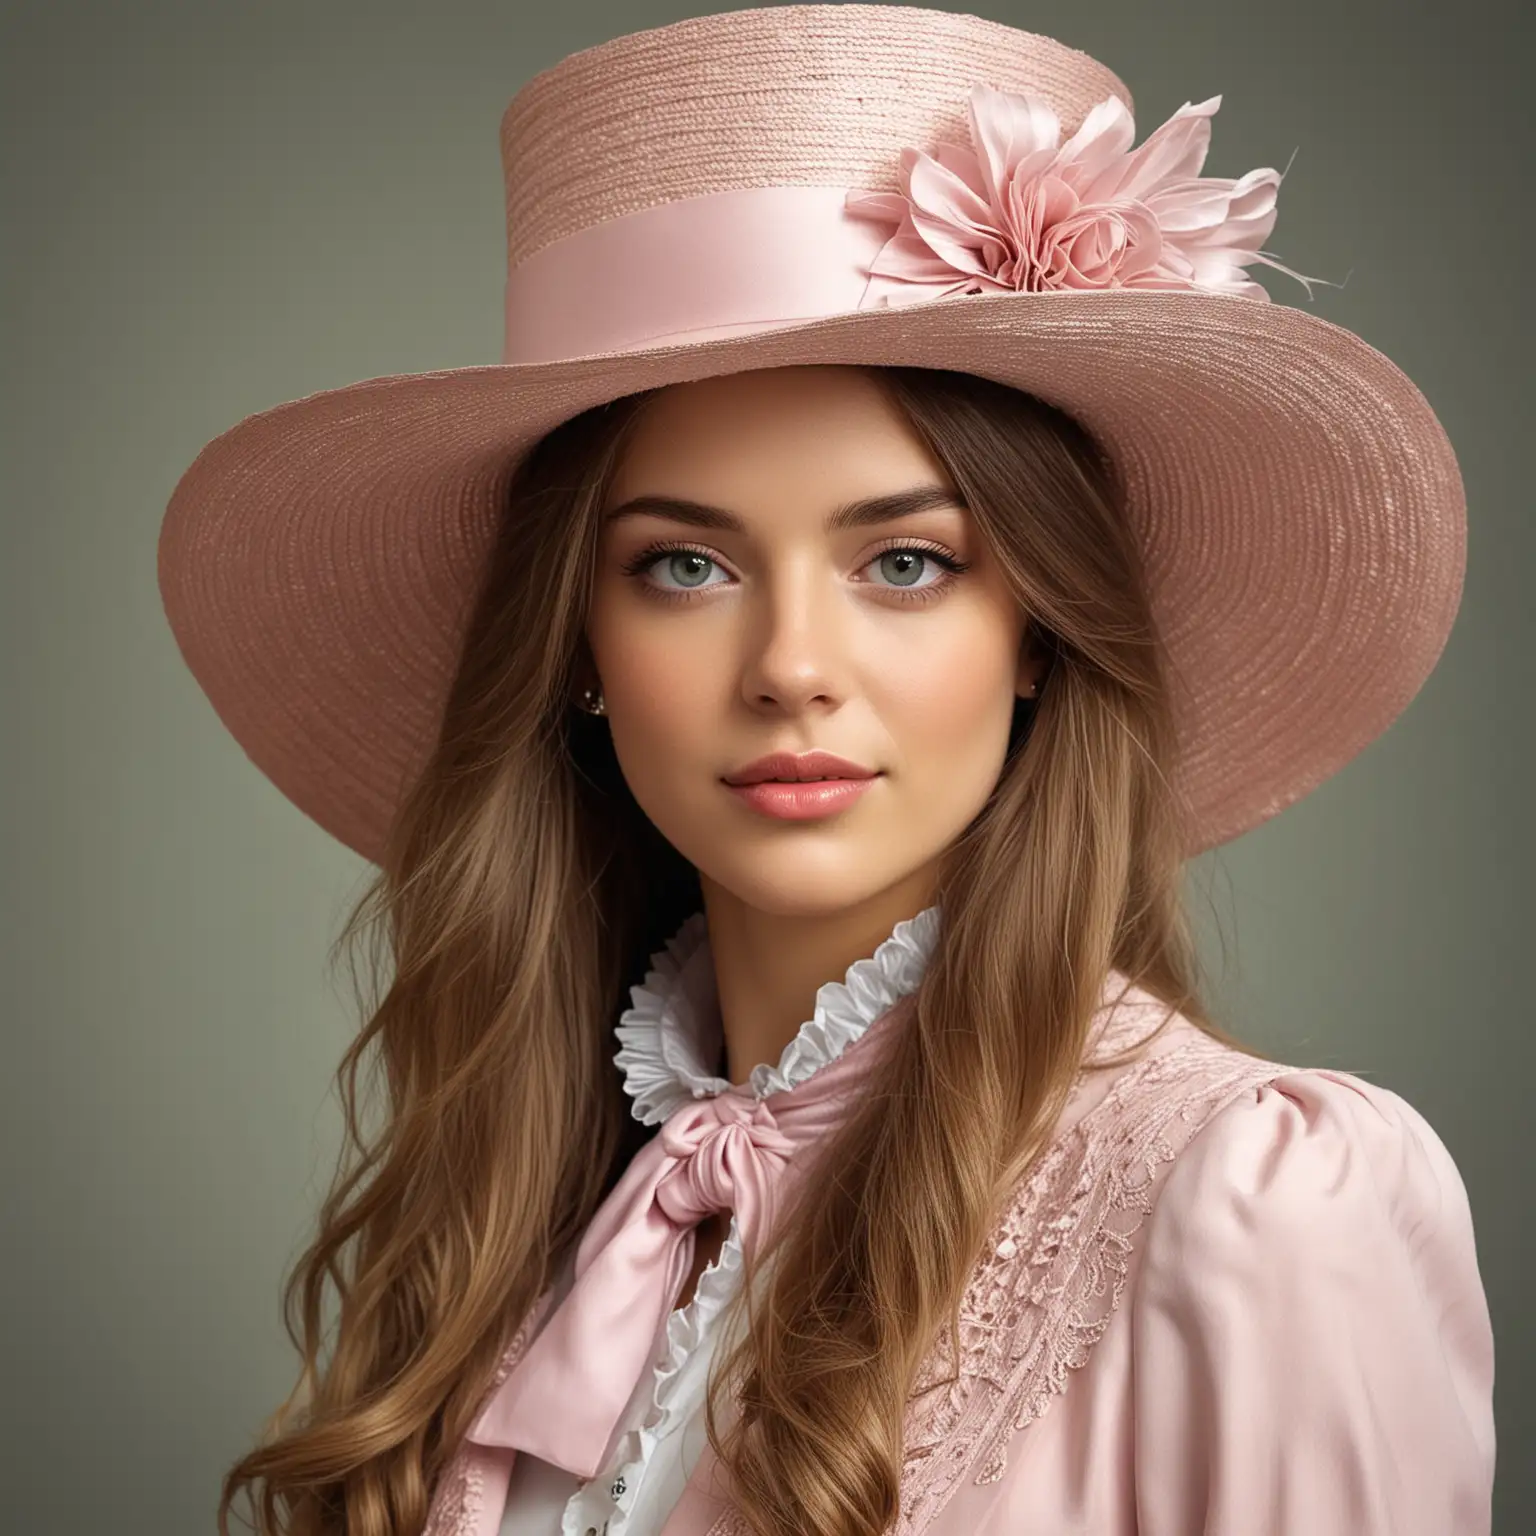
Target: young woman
915,1188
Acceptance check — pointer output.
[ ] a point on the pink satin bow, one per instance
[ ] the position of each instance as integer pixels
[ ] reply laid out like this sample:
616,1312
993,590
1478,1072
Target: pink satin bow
563,1399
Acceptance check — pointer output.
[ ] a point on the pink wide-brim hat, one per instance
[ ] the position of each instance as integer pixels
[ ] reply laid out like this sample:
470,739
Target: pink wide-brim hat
707,197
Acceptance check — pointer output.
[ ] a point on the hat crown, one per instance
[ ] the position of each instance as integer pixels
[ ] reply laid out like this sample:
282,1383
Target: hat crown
794,95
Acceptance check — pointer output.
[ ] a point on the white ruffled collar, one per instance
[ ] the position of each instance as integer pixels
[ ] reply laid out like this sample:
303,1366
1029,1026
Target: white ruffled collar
672,1035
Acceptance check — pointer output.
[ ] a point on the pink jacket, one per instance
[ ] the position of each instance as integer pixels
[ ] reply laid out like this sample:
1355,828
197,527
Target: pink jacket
1234,1297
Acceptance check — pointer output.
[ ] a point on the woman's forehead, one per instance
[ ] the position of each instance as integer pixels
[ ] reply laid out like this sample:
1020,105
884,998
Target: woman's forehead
814,435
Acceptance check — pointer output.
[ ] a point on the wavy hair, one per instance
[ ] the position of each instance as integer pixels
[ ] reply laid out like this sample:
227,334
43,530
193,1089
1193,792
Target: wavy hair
522,890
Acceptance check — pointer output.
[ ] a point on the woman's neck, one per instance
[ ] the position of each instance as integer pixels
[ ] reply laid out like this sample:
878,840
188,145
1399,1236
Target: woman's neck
769,966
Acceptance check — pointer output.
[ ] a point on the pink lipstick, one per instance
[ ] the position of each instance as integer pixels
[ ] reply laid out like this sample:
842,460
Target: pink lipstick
804,801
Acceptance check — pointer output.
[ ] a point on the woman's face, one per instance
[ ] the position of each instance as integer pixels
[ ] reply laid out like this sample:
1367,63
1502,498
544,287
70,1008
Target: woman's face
768,628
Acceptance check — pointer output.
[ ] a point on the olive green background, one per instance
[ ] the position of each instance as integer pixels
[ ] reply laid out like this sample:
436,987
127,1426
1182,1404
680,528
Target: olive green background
211,208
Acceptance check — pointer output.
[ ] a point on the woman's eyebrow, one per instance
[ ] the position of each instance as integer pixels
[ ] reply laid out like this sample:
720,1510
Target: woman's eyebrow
852,514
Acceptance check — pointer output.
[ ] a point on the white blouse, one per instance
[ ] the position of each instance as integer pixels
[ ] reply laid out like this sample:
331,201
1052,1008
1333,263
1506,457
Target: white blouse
668,1038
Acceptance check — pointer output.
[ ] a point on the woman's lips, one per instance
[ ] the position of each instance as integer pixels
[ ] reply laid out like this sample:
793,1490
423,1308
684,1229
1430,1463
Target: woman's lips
803,801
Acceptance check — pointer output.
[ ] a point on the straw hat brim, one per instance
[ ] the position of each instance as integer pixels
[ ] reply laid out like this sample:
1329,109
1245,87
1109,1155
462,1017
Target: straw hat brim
1299,505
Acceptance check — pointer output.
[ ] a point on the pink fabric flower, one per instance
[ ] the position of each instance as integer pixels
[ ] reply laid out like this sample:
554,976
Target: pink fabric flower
1020,212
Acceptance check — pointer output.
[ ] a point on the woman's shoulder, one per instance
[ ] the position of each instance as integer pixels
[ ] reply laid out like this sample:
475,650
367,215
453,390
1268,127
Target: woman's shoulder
1055,1266
1292,1175
1149,1064
1324,1209
1305,1150
1308,1322
1231,1204
1257,1154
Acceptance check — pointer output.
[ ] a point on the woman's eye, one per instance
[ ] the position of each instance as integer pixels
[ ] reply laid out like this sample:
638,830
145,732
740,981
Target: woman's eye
688,567
901,568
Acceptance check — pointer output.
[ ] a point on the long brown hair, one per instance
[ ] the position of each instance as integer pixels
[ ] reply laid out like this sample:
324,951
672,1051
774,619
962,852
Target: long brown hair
520,894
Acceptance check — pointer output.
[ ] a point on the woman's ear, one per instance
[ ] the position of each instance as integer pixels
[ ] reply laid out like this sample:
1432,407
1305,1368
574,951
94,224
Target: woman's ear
1034,661
583,666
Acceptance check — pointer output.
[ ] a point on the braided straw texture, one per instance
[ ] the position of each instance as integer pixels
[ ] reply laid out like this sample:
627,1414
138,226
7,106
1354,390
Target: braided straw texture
1299,506
795,95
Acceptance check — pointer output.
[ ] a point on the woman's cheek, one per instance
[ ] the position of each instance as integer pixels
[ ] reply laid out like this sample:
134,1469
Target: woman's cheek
944,693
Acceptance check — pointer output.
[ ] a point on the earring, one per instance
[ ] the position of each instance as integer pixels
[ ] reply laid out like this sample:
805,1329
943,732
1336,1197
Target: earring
592,701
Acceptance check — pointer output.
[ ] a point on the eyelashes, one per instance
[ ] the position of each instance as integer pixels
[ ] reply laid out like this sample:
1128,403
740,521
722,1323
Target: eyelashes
647,557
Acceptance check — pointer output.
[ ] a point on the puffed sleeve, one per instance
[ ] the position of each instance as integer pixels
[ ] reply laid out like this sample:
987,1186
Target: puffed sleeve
1311,1345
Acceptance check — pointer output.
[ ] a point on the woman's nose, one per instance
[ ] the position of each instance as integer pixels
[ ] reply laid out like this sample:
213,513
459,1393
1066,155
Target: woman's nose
795,644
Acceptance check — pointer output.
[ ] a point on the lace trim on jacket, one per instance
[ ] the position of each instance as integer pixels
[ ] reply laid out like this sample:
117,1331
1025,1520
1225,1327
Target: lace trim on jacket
1026,1323
460,1492
1045,1291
